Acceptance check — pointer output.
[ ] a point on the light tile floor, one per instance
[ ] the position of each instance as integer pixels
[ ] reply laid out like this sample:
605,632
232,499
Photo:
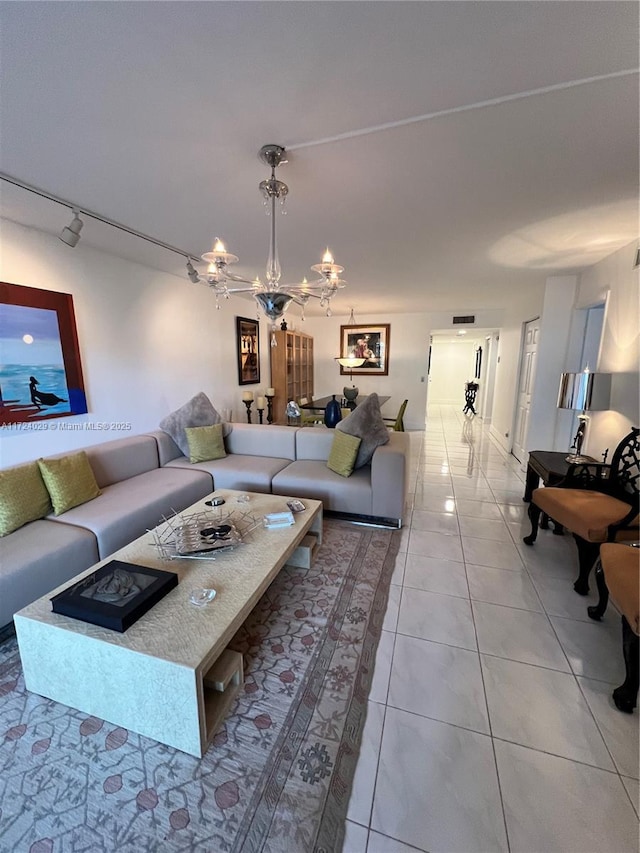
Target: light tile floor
490,723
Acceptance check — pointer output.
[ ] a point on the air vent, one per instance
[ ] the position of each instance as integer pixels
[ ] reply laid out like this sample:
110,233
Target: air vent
470,318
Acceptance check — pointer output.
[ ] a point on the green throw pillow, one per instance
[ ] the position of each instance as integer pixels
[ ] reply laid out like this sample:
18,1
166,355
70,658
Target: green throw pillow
23,497
344,452
70,481
205,443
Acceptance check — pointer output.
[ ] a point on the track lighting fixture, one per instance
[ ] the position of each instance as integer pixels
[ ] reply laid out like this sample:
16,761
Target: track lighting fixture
70,234
192,272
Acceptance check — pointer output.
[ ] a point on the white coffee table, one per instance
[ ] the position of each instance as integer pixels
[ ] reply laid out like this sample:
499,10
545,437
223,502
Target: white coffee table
150,679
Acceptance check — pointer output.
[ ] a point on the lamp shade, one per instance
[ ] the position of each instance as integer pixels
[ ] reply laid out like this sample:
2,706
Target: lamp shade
585,392
351,361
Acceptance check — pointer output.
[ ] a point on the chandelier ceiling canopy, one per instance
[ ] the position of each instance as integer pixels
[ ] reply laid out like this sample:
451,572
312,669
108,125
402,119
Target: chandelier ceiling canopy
272,296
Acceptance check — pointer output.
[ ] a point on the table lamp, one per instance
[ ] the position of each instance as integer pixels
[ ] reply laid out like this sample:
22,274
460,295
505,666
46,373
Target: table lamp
583,392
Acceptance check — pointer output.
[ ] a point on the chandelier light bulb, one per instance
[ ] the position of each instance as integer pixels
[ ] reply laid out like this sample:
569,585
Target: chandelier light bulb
218,246
327,258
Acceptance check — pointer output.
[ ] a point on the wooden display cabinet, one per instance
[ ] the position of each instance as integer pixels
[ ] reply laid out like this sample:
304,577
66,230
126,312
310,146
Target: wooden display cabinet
291,370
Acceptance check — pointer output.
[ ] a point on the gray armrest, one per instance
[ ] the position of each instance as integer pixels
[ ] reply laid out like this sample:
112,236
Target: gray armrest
389,478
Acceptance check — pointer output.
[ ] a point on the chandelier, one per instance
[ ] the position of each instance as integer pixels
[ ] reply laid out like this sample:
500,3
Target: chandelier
272,297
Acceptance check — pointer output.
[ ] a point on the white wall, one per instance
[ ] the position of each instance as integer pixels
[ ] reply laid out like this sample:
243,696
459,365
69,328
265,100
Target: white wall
555,324
452,364
620,351
148,340
408,353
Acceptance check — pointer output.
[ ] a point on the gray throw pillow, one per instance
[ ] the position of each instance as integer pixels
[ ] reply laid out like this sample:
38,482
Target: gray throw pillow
366,423
198,412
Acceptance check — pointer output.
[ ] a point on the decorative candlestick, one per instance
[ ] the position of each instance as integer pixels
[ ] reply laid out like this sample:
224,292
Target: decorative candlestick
270,394
260,407
247,399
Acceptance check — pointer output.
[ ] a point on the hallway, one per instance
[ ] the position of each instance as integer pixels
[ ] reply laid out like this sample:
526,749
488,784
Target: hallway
490,725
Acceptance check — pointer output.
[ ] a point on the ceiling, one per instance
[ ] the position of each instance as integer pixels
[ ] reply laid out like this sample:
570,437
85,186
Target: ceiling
422,150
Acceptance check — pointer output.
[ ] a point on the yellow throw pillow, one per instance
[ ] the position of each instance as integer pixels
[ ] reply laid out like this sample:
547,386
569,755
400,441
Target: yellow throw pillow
344,452
205,443
69,480
23,497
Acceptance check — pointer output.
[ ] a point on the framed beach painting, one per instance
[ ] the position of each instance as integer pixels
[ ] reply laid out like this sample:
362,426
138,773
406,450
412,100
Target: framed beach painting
40,369
248,350
368,342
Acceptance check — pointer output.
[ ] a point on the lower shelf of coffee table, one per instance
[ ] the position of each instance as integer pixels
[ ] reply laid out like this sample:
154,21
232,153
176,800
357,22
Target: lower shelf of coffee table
305,554
221,684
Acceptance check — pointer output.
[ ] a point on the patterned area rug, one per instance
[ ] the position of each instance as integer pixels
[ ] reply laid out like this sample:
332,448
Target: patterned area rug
278,776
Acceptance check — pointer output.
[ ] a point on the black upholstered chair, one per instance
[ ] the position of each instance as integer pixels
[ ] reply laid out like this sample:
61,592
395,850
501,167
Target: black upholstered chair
618,574
596,502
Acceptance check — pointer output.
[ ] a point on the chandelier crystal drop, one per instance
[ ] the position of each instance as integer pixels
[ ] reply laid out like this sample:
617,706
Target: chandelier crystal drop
272,297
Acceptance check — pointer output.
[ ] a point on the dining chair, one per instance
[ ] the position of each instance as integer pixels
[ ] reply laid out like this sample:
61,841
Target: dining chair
398,423
309,419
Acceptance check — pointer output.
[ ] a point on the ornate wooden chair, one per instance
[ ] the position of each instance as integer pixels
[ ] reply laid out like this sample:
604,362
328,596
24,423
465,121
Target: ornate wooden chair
618,573
596,502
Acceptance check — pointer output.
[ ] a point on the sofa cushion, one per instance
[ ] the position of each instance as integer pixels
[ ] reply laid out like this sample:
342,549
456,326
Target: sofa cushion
237,471
23,497
114,461
198,411
310,478
205,443
70,481
39,557
366,423
167,448
128,509
254,439
344,451
313,443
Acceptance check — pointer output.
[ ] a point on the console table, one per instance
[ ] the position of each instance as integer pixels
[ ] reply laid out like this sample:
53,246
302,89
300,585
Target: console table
551,467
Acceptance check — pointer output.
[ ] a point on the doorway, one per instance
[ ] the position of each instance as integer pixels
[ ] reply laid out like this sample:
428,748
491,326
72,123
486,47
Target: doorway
458,357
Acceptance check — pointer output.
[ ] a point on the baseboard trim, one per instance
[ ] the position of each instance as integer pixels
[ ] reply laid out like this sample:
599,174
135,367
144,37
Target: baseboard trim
366,520
7,631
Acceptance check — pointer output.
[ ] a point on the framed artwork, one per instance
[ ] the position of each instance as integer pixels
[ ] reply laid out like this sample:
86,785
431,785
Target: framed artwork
40,373
114,596
248,349
370,342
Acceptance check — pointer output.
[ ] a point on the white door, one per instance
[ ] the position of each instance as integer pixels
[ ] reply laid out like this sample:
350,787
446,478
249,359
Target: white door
525,387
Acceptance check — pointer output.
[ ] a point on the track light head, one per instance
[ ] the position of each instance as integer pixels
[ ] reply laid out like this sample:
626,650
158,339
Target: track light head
192,272
70,234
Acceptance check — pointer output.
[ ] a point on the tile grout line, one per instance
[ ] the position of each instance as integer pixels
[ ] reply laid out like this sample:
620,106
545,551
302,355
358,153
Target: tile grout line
488,713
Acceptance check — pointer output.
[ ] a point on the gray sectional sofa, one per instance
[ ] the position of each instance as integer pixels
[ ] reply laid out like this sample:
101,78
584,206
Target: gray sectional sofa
145,478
